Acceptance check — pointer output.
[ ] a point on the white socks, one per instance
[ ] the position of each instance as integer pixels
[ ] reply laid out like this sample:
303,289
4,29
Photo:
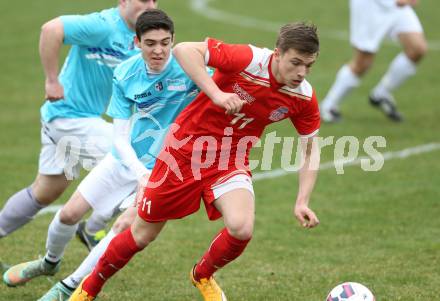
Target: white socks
96,222
345,81
18,211
58,236
400,69
89,263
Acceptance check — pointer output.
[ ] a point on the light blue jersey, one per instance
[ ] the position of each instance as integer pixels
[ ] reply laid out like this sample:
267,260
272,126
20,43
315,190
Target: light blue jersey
153,101
100,41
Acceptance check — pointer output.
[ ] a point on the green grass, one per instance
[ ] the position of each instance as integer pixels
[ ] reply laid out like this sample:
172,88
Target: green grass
377,228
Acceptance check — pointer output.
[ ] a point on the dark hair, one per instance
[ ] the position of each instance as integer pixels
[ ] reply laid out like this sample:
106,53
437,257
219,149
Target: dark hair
299,36
153,19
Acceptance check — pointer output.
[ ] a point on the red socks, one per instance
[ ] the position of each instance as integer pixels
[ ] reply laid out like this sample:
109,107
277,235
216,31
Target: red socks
224,249
118,253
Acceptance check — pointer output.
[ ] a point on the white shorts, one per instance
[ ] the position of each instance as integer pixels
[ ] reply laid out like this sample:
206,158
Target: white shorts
371,22
128,202
235,182
107,185
71,143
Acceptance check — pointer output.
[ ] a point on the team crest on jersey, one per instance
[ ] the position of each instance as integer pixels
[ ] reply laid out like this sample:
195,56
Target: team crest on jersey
158,86
278,114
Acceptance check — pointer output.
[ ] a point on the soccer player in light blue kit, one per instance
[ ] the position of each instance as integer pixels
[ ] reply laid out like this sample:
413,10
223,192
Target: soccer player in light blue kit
73,132
149,91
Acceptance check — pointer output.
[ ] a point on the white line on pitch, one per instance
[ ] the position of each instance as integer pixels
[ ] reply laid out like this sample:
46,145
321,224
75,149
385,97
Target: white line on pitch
402,154
202,8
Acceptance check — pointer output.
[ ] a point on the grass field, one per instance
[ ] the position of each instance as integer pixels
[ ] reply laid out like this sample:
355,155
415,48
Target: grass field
377,228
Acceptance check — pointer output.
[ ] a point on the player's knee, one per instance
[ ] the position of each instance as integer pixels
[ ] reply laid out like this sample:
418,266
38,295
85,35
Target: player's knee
69,217
143,238
121,224
359,68
45,194
242,230
417,52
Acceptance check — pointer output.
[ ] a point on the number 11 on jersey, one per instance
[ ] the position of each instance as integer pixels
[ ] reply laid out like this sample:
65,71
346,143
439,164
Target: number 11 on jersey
146,203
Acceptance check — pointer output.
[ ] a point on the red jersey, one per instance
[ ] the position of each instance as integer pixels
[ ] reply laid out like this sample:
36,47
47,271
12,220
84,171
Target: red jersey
246,71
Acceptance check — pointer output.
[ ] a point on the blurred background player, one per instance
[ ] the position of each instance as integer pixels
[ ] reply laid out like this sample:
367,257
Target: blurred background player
251,88
370,22
149,90
73,131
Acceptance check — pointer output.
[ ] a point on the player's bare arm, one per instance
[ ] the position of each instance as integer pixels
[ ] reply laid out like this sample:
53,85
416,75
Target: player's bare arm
307,178
191,56
51,39
406,2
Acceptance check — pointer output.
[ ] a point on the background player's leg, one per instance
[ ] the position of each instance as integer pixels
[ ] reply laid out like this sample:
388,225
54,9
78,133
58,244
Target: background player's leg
403,66
64,225
96,222
92,230
25,204
347,78
70,283
60,232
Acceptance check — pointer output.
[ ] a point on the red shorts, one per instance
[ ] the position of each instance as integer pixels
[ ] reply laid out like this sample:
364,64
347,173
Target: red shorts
175,197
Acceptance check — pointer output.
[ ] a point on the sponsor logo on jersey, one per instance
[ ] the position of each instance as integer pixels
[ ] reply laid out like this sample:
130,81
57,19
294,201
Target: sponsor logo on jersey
158,86
176,84
142,95
242,93
278,114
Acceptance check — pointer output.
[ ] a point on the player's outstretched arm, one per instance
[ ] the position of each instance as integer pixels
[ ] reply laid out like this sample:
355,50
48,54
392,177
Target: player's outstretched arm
121,142
307,178
191,56
51,39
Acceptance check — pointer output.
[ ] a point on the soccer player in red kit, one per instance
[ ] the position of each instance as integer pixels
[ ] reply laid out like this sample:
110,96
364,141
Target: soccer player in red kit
206,153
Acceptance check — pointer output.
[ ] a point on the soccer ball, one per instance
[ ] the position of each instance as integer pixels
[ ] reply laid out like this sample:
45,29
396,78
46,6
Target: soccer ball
350,291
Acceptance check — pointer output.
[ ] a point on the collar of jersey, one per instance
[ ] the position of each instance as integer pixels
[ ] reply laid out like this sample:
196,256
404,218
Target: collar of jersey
274,85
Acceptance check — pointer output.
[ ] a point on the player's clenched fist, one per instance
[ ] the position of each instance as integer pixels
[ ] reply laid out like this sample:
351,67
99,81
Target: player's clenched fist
305,216
229,101
54,91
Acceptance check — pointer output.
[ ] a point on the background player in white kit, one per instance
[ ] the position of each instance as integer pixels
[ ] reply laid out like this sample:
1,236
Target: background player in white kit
370,22
75,100
149,90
